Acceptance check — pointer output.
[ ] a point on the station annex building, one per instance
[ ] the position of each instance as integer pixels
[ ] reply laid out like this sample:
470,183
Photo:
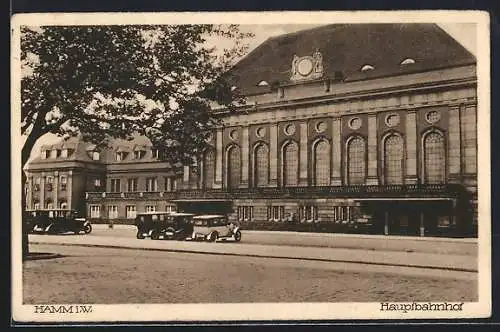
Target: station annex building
342,122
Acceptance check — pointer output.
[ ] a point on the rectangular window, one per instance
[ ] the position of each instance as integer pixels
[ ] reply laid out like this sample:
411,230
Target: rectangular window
310,213
132,184
275,213
245,213
130,211
155,153
115,185
36,206
170,208
469,139
63,179
151,184
150,208
97,183
95,211
49,179
95,155
64,153
112,211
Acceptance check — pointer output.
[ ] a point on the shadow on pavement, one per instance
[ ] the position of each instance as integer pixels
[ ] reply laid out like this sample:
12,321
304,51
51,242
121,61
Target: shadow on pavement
42,255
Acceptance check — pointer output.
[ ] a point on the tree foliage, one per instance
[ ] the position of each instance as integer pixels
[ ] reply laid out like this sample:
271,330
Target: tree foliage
116,81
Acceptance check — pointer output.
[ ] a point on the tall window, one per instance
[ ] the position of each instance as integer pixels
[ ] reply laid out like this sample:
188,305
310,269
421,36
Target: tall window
132,184
233,167
322,163
208,169
150,208
261,162
393,159
130,211
434,158
151,184
290,164
95,211
356,162
245,213
112,211
115,185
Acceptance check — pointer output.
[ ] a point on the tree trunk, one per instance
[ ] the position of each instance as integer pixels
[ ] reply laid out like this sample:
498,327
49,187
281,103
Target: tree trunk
25,240
25,155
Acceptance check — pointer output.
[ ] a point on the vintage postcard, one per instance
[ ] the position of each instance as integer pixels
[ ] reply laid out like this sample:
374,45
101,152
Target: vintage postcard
239,167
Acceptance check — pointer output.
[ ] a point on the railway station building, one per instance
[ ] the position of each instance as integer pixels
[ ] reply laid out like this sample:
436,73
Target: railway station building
356,124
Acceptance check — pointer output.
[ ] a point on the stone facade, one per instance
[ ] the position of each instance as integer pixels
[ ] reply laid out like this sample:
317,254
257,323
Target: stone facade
398,149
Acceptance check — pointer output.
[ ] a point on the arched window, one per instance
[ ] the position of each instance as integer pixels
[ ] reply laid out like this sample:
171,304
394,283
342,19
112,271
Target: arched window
208,169
261,164
290,164
434,158
356,161
322,163
393,159
63,205
233,167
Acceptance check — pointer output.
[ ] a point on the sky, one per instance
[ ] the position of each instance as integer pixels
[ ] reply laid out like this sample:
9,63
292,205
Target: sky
464,33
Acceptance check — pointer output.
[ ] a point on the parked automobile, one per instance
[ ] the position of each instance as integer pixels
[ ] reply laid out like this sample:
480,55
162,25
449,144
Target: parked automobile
56,221
164,225
215,228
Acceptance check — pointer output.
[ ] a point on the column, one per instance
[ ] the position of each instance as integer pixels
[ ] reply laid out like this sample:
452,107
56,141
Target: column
69,189
454,144
218,159
372,178
168,184
29,193
244,158
303,159
273,155
55,189
185,178
336,177
422,224
386,223
411,148
42,191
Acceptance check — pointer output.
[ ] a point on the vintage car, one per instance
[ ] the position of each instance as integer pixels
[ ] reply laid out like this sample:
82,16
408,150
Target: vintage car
214,228
163,225
58,221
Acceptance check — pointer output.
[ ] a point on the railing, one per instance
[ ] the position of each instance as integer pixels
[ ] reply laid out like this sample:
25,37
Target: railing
358,191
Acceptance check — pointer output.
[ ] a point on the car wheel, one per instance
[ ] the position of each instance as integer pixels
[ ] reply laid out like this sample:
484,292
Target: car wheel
140,235
155,235
213,237
237,236
170,230
87,228
76,231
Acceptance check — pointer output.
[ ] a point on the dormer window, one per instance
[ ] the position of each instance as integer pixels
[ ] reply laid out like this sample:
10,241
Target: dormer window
155,153
139,154
407,61
367,68
96,155
120,155
263,83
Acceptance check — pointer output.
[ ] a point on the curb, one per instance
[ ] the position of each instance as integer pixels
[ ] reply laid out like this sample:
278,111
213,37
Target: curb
264,256
330,235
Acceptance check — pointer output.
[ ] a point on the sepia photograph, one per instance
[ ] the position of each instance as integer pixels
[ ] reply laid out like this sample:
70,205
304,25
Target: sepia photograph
204,167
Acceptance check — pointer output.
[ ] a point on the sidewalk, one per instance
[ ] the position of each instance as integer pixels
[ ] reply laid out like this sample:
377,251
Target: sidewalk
336,240
394,258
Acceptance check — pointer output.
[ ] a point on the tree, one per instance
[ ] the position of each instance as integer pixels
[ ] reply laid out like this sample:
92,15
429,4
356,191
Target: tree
107,82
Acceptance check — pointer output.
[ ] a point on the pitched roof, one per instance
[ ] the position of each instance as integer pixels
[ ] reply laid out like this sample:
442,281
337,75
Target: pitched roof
346,48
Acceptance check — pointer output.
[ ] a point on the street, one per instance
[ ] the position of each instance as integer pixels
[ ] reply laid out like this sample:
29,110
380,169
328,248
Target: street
110,276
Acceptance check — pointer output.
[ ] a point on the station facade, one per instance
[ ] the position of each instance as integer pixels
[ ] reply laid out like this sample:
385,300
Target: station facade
367,122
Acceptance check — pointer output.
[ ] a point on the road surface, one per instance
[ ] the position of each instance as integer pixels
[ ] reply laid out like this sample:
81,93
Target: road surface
111,276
